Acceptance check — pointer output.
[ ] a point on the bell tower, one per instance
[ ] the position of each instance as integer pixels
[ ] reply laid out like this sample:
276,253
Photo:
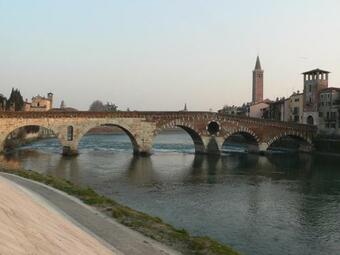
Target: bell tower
257,82
314,81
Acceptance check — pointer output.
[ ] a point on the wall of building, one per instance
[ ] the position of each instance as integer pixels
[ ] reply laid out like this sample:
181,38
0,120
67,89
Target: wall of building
296,108
329,111
257,110
40,103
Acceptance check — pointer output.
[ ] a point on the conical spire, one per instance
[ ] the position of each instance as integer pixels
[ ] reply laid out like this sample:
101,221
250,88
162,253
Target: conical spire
258,64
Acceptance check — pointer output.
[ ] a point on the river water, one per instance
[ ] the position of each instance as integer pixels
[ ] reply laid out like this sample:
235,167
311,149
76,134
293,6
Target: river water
278,204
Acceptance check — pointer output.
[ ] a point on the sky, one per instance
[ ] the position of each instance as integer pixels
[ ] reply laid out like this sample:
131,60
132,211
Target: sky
161,54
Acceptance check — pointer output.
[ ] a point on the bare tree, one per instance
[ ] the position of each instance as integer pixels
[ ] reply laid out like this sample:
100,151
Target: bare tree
98,106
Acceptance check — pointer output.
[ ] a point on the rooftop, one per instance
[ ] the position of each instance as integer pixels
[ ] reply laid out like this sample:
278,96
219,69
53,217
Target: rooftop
330,89
316,71
258,64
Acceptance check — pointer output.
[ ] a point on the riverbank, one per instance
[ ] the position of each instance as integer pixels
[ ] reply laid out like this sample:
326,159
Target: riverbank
149,226
31,226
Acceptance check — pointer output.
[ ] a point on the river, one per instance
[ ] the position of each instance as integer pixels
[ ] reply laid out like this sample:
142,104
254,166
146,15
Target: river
262,205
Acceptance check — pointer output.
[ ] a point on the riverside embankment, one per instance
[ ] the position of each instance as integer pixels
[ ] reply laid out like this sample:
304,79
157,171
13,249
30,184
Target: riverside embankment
101,223
29,225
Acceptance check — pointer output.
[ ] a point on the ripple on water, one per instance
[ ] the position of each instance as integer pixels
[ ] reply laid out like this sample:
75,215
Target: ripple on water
260,205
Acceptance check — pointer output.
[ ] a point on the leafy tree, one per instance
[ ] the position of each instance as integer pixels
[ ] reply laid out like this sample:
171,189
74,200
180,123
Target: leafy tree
15,100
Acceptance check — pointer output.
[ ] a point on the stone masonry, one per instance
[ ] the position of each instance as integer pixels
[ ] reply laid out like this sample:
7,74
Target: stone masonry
208,130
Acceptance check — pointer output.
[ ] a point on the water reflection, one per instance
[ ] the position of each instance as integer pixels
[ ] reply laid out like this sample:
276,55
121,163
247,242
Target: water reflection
279,204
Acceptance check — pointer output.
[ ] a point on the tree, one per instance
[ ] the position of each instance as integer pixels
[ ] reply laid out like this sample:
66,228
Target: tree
15,100
3,101
110,107
98,106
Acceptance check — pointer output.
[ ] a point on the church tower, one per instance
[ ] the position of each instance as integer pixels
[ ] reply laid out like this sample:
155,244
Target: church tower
257,82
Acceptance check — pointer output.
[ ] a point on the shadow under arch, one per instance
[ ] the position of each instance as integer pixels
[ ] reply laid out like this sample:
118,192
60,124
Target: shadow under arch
116,129
27,134
199,146
290,143
241,141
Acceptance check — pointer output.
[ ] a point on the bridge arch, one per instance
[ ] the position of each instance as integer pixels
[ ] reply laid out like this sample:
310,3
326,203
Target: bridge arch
125,128
249,138
304,143
26,129
187,126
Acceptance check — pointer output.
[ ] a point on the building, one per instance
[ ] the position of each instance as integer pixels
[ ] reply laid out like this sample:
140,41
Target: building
257,82
296,107
259,110
329,110
235,110
314,81
278,110
39,103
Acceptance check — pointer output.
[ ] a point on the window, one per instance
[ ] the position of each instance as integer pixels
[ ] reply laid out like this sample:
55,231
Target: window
310,120
333,117
69,133
297,100
320,114
310,88
296,110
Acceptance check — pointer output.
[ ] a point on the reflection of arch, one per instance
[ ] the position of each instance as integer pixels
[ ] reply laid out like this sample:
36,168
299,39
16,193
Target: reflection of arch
124,128
187,127
310,120
26,127
305,143
251,139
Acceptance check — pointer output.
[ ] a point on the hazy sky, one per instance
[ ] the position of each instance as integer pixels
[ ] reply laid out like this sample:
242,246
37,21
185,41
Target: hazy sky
160,54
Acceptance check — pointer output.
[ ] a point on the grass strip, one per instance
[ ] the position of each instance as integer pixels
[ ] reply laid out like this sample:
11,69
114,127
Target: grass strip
153,227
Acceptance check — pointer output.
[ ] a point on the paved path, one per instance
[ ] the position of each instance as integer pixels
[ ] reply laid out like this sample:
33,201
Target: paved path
28,225
120,237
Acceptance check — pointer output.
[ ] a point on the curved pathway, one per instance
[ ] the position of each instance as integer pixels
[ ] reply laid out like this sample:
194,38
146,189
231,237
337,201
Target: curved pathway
105,229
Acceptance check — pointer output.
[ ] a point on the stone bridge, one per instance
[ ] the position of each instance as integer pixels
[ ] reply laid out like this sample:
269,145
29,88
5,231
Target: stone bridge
208,130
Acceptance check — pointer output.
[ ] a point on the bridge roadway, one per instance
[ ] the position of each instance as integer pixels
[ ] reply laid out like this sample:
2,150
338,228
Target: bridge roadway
208,130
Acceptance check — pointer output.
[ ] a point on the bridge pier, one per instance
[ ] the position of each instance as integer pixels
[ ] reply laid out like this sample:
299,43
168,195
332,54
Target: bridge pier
142,144
70,148
263,147
69,151
212,144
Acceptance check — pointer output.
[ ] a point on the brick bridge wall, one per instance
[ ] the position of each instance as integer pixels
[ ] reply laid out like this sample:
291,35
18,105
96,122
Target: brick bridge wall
142,127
